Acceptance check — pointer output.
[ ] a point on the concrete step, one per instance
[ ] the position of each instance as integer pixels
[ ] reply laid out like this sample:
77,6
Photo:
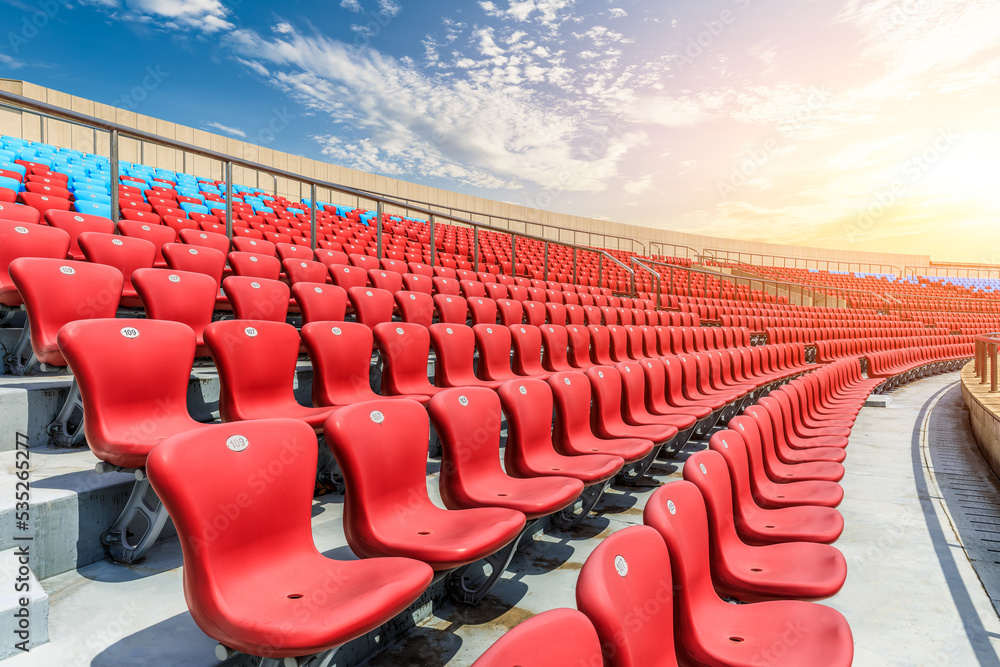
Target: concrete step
24,604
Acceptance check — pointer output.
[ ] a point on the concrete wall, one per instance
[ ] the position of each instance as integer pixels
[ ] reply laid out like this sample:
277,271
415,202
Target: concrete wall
587,231
984,415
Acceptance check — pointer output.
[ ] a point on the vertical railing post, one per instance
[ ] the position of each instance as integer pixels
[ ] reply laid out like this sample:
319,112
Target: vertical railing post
600,271
574,266
378,229
993,367
115,178
982,367
671,279
689,283
229,199
513,254
312,216
433,244
475,248
545,262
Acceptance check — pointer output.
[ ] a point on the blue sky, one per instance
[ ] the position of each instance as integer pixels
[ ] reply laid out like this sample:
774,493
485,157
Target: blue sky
858,124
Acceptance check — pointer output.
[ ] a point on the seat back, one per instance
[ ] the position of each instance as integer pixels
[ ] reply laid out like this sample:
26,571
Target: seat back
510,311
571,396
557,636
257,298
204,239
578,338
371,306
467,419
209,479
59,291
454,347
341,356
527,404
381,447
18,239
257,246
388,280
494,344
534,313
184,257
254,265
158,235
482,310
405,349
319,302
348,276
415,307
526,341
133,376
74,224
256,363
626,589
304,271
451,309
179,296
122,252
677,513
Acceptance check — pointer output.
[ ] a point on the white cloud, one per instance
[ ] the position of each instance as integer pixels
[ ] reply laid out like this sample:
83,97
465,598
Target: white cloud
209,16
617,13
486,130
236,132
10,62
544,12
644,184
351,5
389,7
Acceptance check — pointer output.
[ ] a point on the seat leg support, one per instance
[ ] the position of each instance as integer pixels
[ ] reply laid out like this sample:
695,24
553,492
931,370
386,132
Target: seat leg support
470,583
633,472
132,534
569,517
22,357
66,429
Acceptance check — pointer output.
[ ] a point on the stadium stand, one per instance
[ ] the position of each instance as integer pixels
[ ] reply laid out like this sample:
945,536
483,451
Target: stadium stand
578,367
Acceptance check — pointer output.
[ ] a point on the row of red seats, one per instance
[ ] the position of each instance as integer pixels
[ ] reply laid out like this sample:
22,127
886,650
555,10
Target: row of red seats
833,350
907,364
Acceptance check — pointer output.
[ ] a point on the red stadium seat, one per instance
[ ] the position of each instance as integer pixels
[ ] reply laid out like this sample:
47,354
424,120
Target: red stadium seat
19,213
280,575
405,349
348,276
122,252
529,451
197,237
304,271
472,476
56,292
319,302
256,362
572,434
341,356
557,636
75,224
454,347
19,239
482,310
158,235
253,265
133,380
381,447
415,307
608,422
257,298
756,525
178,296
712,632
371,306
789,570
629,574
526,342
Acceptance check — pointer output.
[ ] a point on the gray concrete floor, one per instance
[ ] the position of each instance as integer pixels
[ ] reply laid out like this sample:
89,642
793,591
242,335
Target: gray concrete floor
912,596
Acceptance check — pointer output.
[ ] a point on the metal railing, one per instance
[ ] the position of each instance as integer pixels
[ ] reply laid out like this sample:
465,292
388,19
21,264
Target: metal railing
836,292
985,358
799,262
543,225
954,271
118,131
689,252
